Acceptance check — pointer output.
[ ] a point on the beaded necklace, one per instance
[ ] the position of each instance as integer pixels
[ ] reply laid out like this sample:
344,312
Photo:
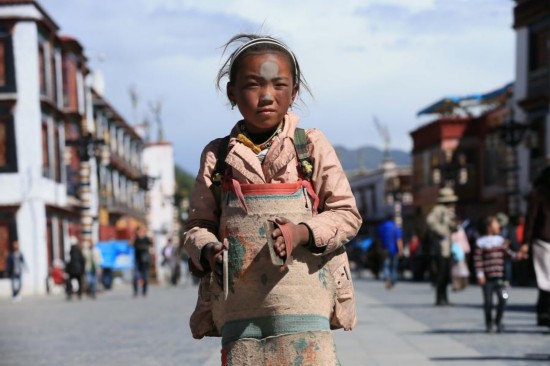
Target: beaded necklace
257,148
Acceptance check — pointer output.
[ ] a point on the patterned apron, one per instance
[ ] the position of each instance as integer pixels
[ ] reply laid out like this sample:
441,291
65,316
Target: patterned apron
272,317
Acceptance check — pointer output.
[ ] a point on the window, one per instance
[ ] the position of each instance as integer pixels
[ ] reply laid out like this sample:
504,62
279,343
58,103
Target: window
538,48
70,92
7,71
8,156
42,65
45,149
53,74
57,153
8,234
72,165
49,239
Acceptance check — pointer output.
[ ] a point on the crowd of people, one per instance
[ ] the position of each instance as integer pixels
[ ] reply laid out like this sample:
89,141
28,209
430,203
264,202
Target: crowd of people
494,251
82,272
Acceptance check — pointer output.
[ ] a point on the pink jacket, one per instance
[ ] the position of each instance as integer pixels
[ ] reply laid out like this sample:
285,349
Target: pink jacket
338,220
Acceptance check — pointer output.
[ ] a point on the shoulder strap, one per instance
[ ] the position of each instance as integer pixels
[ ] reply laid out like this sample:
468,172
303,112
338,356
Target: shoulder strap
304,161
219,169
300,144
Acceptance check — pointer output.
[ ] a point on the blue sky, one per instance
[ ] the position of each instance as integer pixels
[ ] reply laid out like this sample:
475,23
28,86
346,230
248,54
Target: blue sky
362,58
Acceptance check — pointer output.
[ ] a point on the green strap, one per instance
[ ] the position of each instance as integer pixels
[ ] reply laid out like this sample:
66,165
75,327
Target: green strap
219,170
300,144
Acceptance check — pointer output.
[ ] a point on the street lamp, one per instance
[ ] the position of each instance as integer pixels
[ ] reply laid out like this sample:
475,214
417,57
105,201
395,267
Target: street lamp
88,146
394,198
512,132
452,170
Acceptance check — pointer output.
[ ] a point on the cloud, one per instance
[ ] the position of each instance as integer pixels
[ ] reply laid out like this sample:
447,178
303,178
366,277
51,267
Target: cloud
388,58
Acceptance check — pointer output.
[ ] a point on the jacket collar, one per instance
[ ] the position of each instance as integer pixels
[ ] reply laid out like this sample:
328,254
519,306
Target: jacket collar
244,161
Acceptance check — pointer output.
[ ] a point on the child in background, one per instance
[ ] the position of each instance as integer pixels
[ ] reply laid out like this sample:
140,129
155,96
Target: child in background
489,257
269,171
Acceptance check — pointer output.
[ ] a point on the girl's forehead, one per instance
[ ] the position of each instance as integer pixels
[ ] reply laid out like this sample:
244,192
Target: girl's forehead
259,57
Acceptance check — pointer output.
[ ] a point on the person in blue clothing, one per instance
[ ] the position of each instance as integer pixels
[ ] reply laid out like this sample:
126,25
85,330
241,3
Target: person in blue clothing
391,241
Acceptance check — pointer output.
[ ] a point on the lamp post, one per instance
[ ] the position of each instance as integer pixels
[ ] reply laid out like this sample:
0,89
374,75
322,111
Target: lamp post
451,171
88,147
512,132
394,198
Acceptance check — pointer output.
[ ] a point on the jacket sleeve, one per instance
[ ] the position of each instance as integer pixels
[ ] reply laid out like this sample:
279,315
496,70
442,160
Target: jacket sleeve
203,223
338,220
478,262
441,222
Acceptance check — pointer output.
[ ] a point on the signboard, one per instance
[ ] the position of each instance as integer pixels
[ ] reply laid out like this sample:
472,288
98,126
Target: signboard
116,254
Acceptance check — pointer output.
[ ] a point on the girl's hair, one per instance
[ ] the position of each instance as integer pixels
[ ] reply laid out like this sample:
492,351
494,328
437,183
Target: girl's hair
253,43
484,223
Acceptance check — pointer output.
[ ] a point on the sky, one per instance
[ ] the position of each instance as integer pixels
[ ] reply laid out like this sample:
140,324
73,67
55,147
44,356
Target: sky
363,59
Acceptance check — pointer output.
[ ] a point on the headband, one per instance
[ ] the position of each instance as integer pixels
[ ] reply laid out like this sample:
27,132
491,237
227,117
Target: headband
264,40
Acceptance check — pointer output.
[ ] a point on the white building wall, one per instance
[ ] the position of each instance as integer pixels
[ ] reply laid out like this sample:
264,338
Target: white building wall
158,162
31,216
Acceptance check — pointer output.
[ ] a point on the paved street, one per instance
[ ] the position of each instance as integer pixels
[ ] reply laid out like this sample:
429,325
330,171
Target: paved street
400,326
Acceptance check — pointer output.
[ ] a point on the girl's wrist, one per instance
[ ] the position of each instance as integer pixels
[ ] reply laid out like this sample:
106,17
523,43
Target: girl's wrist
303,234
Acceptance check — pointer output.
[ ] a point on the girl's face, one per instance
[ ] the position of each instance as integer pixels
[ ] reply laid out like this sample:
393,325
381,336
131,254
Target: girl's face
494,227
263,90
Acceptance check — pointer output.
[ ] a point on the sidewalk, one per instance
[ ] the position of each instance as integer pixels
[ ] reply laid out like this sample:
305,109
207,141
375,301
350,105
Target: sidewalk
401,326
397,327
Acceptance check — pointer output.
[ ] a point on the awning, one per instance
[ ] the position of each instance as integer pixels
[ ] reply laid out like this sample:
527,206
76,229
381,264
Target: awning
448,104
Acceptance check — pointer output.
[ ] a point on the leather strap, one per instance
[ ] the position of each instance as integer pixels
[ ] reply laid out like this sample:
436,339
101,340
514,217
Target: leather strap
289,240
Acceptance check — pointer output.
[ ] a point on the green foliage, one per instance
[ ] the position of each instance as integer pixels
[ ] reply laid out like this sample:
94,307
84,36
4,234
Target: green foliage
185,182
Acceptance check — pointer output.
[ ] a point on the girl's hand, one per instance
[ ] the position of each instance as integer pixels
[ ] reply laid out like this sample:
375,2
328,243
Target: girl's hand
523,252
299,235
212,252
481,281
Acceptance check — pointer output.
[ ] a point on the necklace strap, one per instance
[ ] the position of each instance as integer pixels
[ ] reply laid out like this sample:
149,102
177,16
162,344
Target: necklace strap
244,137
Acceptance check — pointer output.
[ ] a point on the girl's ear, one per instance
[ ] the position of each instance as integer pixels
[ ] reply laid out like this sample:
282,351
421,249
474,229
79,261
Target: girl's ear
229,92
295,89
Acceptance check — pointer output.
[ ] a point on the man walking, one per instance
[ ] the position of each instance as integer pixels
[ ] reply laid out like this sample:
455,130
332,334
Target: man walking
93,268
15,264
142,255
391,241
441,224
74,268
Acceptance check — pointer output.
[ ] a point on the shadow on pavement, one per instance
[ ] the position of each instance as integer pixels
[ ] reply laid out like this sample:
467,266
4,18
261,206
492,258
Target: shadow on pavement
527,357
524,308
482,331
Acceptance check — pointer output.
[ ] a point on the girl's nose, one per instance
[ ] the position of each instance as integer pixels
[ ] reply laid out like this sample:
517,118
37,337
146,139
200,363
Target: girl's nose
267,94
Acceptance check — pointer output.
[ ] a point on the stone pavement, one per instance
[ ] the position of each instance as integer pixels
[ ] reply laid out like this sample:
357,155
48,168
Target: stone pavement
399,326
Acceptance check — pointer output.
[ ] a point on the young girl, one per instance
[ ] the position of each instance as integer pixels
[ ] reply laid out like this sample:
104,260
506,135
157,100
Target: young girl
489,256
271,303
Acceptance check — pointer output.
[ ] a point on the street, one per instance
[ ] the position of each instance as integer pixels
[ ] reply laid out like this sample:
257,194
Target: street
399,326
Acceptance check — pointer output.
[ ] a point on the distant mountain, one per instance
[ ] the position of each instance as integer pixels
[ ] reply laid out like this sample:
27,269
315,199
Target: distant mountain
369,157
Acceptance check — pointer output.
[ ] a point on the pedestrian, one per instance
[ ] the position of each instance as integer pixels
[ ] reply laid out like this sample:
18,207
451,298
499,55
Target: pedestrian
460,248
15,263
171,259
537,241
276,302
521,269
391,241
489,259
441,224
94,260
74,269
142,260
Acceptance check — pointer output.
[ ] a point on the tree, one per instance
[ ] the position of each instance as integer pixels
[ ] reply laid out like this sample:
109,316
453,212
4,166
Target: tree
185,182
